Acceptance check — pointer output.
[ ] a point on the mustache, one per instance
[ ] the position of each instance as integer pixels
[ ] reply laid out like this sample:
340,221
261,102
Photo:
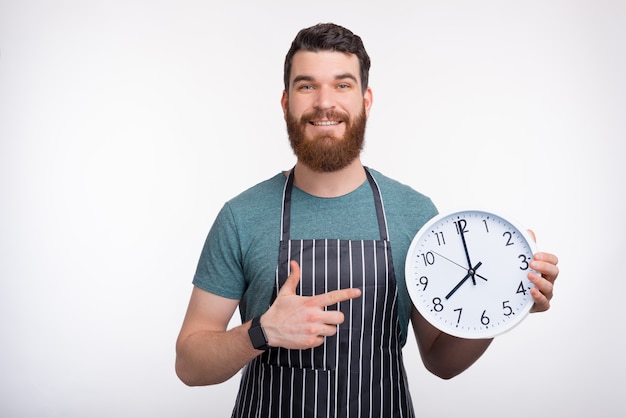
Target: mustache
325,114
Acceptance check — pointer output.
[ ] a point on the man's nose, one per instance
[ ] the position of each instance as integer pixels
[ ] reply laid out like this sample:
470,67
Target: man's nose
324,98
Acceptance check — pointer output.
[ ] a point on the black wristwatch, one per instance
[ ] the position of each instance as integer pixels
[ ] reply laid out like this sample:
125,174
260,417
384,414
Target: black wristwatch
257,334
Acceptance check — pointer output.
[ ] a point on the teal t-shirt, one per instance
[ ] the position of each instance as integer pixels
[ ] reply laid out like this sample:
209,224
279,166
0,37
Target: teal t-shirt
240,254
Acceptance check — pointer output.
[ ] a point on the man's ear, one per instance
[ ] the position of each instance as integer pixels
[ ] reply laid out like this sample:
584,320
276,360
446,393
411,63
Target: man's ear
368,100
284,102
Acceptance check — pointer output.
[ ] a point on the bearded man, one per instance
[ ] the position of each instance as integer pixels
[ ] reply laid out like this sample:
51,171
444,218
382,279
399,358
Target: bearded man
307,258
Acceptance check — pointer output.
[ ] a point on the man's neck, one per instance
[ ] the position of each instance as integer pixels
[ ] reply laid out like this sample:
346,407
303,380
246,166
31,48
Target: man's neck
334,184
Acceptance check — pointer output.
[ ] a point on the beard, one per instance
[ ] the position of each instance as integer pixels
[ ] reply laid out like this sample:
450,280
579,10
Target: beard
326,153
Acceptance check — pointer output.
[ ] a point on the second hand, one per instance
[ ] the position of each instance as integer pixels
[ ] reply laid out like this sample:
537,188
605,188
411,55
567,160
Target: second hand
455,263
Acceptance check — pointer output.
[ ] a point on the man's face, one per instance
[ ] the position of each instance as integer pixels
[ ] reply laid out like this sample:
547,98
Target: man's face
325,109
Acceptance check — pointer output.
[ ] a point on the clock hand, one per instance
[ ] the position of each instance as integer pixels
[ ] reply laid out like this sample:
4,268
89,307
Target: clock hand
469,263
457,264
470,273
446,258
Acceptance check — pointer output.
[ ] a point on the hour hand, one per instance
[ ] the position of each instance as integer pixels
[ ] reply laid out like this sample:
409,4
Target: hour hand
470,273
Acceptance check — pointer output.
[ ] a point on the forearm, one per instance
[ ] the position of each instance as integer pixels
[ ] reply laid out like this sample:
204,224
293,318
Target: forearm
442,354
211,357
449,356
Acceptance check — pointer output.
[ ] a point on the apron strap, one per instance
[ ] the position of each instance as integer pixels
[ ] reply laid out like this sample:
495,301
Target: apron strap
285,219
285,223
380,209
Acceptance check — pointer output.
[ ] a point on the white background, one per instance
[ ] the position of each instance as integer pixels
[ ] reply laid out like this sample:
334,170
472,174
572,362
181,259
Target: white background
125,125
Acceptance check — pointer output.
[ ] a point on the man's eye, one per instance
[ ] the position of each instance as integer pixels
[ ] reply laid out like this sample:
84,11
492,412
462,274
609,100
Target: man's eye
305,87
343,86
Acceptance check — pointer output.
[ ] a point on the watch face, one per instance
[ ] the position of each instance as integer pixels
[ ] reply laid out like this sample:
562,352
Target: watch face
467,273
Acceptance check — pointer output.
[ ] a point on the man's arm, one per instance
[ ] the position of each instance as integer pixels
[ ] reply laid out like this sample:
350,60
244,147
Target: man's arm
206,353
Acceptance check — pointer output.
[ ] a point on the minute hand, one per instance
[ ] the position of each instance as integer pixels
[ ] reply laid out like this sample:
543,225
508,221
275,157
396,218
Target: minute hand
469,263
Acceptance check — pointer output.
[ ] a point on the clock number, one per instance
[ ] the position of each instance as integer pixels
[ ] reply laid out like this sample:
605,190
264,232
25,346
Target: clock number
486,226
438,306
510,236
521,289
429,259
461,226
507,308
424,282
460,311
524,259
440,238
484,319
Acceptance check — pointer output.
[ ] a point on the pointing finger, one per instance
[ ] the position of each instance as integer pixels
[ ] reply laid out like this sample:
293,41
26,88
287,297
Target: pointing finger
336,296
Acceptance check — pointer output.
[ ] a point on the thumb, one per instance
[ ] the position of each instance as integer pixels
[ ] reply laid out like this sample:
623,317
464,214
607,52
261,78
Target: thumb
290,285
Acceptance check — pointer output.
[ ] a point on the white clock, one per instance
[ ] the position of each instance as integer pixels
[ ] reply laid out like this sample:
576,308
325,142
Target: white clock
467,273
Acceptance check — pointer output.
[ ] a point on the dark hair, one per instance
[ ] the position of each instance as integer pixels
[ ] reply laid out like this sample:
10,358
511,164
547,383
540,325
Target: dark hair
328,37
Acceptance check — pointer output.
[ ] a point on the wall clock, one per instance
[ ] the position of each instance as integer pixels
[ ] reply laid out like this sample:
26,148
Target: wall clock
467,273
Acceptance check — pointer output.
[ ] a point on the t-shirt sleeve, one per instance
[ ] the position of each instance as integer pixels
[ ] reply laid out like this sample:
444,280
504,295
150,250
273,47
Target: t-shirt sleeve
219,269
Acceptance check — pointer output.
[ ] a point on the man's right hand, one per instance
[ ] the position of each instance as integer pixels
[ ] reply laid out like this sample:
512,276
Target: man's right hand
301,322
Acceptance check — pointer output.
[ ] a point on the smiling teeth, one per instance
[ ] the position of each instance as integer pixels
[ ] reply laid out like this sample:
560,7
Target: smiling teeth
325,123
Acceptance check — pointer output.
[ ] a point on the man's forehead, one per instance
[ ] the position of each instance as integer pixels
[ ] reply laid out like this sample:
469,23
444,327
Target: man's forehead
324,63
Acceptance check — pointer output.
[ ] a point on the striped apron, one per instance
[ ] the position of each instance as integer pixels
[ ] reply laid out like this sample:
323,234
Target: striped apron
359,371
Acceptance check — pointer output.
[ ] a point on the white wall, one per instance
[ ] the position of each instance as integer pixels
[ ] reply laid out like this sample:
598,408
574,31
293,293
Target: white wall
125,125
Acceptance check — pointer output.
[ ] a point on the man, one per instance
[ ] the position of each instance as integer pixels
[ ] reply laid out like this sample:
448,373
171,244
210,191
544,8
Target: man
307,257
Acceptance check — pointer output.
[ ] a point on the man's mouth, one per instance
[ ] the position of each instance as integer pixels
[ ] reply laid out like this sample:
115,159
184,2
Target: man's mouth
325,123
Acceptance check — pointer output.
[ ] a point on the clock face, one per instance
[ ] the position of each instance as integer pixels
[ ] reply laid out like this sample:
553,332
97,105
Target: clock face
467,273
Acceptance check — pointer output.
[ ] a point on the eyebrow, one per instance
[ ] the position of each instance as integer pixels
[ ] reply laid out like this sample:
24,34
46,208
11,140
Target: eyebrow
337,77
